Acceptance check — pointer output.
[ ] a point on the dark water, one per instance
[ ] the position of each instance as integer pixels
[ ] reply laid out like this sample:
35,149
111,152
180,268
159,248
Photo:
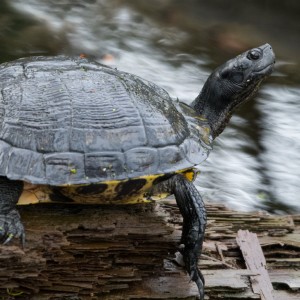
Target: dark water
176,44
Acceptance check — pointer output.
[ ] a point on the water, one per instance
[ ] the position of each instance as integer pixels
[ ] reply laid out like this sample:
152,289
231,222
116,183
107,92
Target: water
280,159
255,162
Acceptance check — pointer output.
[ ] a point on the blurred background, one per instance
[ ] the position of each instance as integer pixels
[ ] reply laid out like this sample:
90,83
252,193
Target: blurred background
176,44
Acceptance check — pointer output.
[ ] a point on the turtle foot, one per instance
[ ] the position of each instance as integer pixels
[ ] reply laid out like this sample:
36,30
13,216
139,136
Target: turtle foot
11,227
191,259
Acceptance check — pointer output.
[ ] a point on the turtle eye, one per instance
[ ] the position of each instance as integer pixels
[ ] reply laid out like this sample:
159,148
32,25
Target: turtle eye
254,54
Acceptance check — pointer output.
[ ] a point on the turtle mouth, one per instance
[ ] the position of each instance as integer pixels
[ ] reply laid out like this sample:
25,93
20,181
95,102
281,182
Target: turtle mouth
266,70
266,65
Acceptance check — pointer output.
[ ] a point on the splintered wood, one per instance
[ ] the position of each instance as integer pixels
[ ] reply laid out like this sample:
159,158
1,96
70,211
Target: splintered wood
130,252
255,261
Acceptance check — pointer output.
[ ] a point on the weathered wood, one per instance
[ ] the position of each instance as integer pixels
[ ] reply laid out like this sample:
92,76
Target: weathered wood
288,277
110,253
255,262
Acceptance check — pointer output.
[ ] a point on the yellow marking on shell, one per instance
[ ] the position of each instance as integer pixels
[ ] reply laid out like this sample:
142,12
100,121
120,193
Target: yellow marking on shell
33,194
110,194
160,196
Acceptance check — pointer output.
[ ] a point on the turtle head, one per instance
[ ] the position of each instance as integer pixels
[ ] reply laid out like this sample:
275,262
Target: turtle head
232,84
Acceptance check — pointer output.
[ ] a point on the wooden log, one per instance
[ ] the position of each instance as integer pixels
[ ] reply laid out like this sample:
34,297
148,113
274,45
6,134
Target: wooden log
130,252
94,251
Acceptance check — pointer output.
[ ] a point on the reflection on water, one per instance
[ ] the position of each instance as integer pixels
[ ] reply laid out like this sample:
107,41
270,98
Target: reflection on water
176,45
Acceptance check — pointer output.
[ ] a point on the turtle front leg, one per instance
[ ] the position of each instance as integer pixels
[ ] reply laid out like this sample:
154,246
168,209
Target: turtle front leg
10,221
192,208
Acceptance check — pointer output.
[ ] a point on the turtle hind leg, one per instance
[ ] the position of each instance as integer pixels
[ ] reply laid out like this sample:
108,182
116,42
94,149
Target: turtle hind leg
10,221
192,208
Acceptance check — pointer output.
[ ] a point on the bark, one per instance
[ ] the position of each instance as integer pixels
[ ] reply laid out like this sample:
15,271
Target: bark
130,252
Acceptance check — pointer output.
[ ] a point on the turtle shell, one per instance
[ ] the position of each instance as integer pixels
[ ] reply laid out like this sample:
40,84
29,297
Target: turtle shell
71,121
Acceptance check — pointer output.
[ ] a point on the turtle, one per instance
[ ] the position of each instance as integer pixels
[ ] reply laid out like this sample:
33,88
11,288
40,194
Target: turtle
88,133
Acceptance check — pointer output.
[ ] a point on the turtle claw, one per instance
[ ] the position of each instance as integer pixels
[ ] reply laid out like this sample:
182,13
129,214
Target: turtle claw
10,237
11,227
190,260
198,278
22,240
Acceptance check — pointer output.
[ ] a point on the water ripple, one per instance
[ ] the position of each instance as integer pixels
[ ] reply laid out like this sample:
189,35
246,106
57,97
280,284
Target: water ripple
280,138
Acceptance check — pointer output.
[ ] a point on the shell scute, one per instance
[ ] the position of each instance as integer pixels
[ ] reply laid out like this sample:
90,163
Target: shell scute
26,164
11,72
140,161
104,165
195,152
64,167
171,156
